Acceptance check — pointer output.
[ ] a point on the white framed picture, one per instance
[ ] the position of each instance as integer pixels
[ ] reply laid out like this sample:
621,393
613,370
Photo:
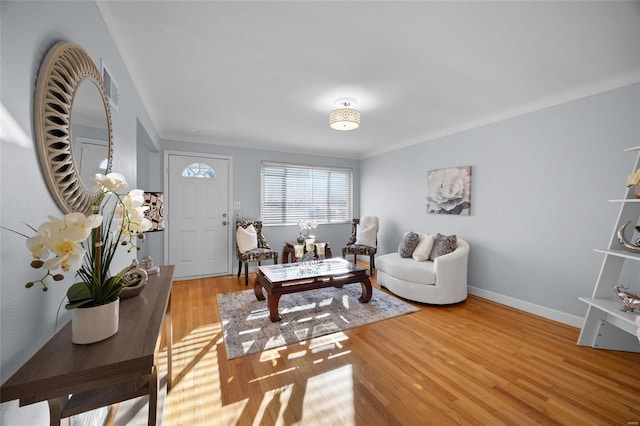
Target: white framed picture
449,191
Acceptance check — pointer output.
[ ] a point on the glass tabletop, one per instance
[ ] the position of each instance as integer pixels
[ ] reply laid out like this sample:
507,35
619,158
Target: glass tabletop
294,271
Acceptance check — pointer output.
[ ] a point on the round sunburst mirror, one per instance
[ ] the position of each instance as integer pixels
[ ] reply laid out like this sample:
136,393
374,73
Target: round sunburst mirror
73,127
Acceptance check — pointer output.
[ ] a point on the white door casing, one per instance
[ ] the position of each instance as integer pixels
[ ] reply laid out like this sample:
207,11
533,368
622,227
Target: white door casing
198,237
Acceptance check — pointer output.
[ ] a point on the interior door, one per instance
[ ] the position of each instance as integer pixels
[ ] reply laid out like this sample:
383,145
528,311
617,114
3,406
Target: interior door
198,213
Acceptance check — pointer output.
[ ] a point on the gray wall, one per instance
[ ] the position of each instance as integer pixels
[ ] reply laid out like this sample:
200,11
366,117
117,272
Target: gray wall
539,197
28,30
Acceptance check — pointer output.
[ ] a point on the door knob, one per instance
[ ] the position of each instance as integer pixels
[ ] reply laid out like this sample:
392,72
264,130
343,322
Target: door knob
224,222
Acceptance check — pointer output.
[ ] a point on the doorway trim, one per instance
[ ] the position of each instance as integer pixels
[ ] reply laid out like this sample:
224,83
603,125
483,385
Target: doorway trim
229,158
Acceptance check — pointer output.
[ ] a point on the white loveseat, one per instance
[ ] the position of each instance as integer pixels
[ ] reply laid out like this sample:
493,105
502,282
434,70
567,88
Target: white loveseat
441,281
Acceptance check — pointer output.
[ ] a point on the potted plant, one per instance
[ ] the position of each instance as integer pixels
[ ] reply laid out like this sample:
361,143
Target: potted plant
87,244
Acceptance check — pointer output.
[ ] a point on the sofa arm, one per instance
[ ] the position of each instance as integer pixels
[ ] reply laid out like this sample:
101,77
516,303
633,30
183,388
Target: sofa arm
451,269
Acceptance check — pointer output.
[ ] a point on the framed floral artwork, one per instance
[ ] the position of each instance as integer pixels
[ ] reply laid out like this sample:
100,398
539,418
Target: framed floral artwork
449,191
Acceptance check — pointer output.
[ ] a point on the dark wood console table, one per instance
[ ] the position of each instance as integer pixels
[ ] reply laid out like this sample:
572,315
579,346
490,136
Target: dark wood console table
78,378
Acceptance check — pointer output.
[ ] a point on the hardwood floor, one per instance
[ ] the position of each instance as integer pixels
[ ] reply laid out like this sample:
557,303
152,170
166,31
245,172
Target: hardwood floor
476,362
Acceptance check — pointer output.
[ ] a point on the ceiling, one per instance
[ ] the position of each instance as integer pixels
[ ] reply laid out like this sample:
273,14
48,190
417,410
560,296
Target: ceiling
266,74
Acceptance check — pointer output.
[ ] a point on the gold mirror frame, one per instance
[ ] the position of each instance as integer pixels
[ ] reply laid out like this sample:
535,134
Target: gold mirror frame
61,73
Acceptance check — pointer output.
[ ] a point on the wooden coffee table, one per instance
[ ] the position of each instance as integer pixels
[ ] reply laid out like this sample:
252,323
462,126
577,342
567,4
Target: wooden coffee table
291,278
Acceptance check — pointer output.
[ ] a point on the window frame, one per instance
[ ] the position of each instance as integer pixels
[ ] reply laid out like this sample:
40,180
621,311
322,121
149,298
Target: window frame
295,216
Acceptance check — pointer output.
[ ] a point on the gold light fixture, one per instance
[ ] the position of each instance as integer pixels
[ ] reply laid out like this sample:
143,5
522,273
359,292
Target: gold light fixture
345,117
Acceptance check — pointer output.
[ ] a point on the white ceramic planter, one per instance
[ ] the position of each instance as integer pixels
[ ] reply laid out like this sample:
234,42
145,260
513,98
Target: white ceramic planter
90,325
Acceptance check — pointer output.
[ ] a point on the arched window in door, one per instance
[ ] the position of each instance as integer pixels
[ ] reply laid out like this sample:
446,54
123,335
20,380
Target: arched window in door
199,170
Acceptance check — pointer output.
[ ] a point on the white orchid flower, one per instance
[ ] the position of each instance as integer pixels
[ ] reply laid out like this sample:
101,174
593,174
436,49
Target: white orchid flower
112,182
137,223
68,254
78,226
37,245
135,198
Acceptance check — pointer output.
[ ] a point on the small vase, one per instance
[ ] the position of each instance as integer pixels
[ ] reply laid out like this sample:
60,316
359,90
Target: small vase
90,325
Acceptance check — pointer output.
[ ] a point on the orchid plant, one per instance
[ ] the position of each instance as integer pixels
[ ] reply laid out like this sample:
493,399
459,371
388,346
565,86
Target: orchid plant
87,244
306,224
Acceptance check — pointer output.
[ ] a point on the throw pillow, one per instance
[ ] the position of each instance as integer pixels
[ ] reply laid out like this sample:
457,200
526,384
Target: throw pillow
408,244
246,238
423,250
443,244
366,236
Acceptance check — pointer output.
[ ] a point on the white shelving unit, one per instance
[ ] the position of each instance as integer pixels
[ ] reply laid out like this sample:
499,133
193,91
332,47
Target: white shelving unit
605,325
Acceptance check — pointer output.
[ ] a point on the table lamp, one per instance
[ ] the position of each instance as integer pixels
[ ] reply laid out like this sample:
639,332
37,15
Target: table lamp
155,213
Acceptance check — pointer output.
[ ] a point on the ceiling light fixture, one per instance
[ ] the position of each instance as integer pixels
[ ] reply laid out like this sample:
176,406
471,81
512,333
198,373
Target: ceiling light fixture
344,118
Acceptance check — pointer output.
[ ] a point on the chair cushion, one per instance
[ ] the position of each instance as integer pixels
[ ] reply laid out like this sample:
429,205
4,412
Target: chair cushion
408,244
246,238
258,254
443,244
366,235
406,269
423,250
359,249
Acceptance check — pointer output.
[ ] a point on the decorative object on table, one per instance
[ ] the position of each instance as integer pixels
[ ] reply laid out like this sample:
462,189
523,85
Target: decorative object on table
320,249
251,246
88,245
449,191
246,327
363,240
305,226
308,262
96,323
298,251
149,267
135,279
631,301
633,248
634,180
310,244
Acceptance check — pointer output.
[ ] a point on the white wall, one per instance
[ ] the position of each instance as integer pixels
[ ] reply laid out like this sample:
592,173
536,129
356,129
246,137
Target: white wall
28,30
540,186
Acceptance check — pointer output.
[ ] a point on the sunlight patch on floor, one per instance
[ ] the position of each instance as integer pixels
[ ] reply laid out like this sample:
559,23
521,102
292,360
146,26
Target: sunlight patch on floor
196,378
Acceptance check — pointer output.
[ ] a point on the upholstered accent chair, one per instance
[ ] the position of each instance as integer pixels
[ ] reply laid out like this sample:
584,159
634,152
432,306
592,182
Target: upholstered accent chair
251,246
363,240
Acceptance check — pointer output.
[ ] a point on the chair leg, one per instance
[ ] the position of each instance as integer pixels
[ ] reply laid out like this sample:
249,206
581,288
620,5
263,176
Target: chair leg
355,259
246,273
239,267
372,265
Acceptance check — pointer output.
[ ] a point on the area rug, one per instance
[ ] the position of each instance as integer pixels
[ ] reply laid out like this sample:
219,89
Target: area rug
306,315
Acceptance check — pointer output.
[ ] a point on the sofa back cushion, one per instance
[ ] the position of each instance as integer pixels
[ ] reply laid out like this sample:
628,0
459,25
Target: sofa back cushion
443,244
408,244
423,250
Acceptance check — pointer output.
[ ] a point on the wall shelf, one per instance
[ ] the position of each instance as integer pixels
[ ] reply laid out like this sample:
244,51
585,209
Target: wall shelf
605,325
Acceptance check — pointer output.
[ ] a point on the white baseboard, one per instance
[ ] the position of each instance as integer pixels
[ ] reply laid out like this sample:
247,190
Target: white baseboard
532,308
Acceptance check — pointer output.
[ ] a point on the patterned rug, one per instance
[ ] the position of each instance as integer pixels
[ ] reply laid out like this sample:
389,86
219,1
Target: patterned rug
305,315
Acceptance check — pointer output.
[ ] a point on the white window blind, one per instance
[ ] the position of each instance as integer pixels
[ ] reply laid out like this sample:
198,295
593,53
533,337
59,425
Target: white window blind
290,192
